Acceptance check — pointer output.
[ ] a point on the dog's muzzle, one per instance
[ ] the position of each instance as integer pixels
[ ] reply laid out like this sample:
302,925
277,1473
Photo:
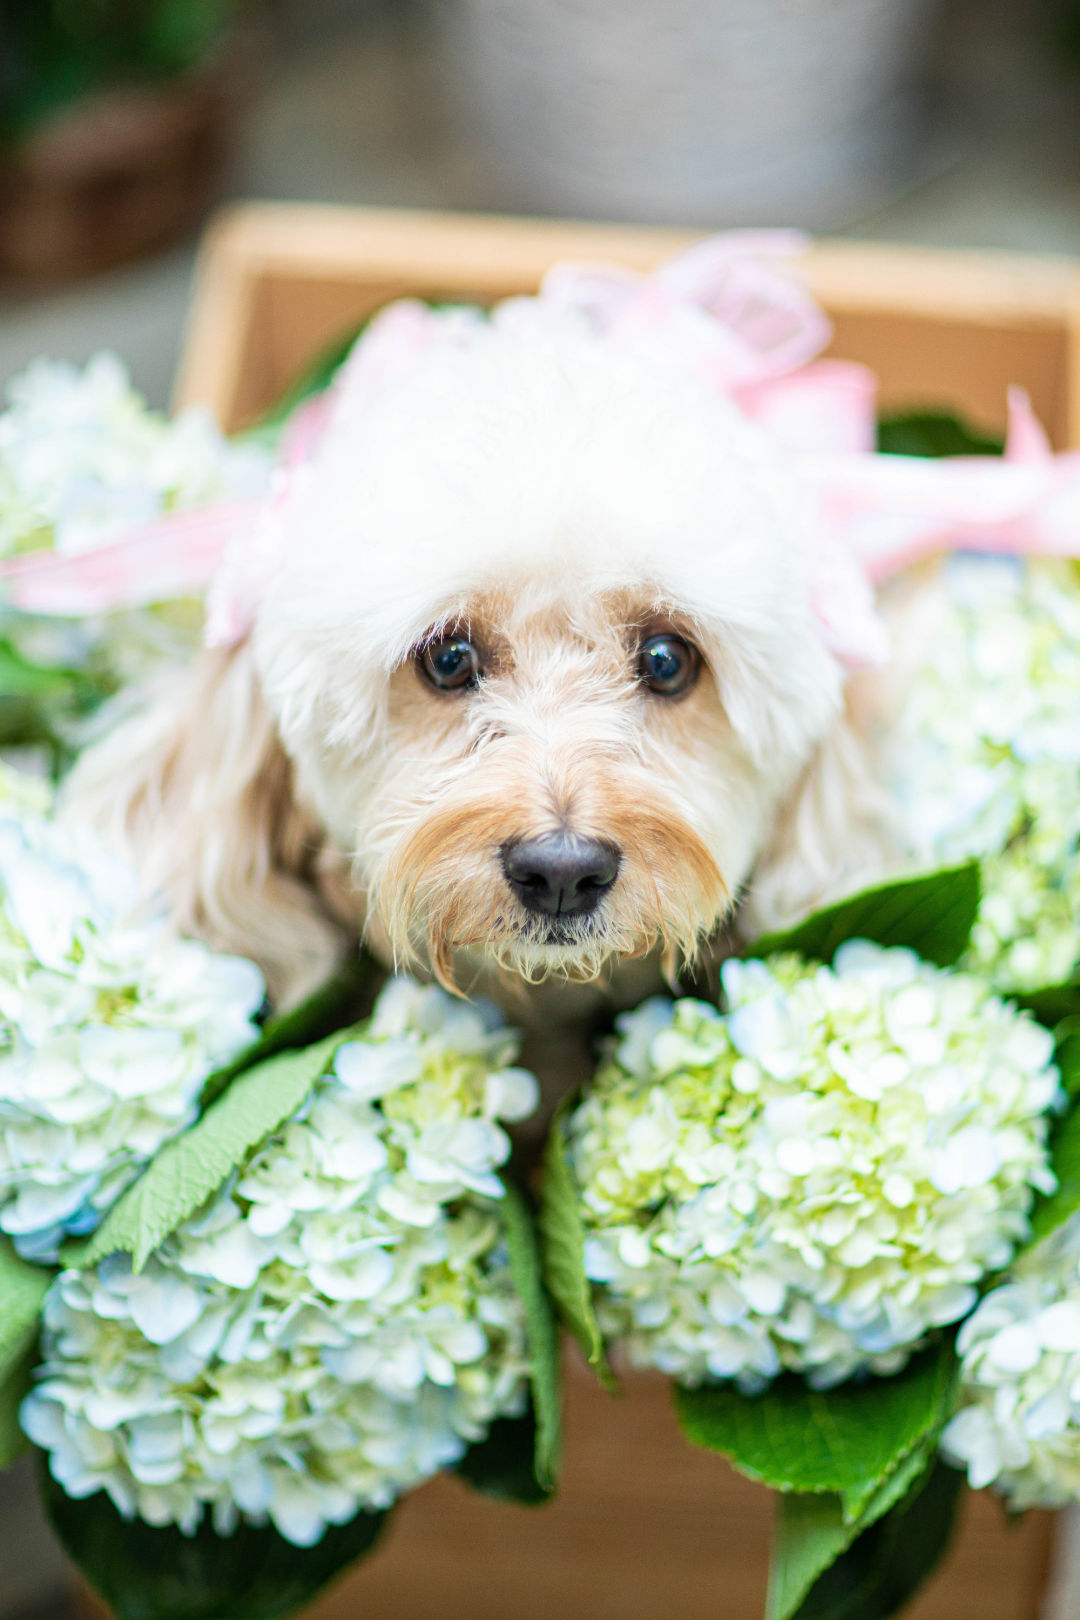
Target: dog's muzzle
560,875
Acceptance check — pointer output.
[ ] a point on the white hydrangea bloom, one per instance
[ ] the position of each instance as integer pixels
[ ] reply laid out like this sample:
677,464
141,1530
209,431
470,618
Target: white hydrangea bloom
108,1028
83,460
337,1325
816,1178
986,757
1018,1423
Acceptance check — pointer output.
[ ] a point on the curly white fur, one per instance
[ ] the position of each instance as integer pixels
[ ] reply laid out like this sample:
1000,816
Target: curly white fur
556,497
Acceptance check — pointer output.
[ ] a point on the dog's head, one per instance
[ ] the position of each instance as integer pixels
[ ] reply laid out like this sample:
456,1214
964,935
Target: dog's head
535,666
540,643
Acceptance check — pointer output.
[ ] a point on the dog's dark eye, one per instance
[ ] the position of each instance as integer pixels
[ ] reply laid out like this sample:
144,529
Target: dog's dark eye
669,665
451,664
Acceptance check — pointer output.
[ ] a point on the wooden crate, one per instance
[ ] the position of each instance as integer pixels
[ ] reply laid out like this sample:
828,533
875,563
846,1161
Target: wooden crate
646,1527
278,283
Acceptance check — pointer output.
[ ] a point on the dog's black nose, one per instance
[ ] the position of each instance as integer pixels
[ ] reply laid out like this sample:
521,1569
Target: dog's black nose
560,875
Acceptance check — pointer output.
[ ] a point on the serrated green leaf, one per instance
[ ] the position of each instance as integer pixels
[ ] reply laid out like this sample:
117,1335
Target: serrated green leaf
845,1440
562,1233
882,1567
146,1573
931,914
343,1000
193,1166
503,1464
542,1336
811,1531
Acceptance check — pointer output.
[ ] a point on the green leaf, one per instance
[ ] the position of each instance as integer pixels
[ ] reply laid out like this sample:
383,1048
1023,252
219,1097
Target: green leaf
1052,1003
504,1463
343,1000
1067,1055
931,914
37,701
811,1531
562,1233
882,1568
22,1293
191,1167
542,1336
809,1534
21,679
845,1440
13,1387
1054,1209
145,1573
932,433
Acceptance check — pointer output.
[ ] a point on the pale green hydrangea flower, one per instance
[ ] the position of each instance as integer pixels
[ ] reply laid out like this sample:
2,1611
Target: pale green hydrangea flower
337,1325
986,758
108,1026
1018,1425
815,1179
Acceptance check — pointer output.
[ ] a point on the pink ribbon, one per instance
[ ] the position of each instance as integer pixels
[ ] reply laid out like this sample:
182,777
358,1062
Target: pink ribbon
890,512
182,554
172,556
723,310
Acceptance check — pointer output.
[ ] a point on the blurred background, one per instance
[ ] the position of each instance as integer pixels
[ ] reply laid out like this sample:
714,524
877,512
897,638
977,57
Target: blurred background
948,122
124,122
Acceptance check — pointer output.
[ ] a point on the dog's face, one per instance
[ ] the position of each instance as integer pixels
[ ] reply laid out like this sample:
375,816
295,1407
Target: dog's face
549,795
538,640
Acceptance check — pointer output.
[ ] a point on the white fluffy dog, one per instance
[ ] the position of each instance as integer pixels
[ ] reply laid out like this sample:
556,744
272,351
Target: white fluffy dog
535,687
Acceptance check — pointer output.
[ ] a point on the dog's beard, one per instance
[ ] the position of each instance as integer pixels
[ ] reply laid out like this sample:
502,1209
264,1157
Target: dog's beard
442,897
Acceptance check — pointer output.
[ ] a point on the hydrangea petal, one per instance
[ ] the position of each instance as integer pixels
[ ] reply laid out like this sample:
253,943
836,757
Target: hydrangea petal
816,1178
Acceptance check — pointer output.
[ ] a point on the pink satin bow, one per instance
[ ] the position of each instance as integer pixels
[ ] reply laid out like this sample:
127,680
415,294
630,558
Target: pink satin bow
727,312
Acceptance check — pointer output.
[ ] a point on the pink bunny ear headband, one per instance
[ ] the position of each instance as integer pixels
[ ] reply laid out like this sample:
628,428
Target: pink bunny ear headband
723,309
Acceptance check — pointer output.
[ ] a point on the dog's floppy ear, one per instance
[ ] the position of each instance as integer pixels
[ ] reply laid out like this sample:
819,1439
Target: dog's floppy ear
835,832
197,788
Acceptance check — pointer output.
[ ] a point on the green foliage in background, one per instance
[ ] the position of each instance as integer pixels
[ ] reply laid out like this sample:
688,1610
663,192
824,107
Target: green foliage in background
54,51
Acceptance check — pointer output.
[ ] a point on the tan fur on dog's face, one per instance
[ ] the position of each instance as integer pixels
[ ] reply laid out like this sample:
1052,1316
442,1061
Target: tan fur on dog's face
559,736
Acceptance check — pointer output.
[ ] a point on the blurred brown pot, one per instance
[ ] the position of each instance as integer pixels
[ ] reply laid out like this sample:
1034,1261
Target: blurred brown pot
118,174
